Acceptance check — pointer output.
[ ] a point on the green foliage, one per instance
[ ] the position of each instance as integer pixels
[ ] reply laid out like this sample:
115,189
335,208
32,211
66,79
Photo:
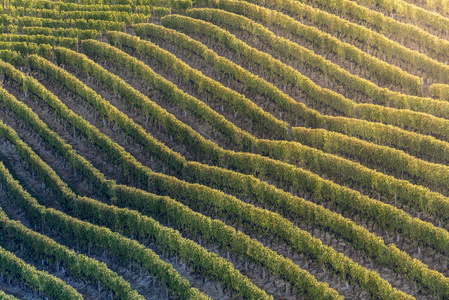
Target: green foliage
216,176
401,117
48,23
16,268
332,24
86,233
4,296
381,70
232,133
439,90
264,121
215,267
79,265
435,47
296,110
181,5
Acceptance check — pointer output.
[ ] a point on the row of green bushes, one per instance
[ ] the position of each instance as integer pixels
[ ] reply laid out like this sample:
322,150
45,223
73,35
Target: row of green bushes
232,181
439,6
189,190
13,57
239,138
33,3
440,90
419,145
12,266
403,118
20,6
5,296
62,32
434,176
377,21
355,33
429,21
288,175
99,25
108,111
113,16
295,110
337,143
213,266
382,71
44,247
83,232
40,9
183,216
87,233
27,48
67,42
67,6
235,102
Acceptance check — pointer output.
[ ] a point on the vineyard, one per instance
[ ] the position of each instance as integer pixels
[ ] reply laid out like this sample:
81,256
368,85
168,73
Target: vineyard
224,149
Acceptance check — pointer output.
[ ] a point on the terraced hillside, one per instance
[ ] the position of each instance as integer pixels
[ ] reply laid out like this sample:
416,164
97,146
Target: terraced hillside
223,149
